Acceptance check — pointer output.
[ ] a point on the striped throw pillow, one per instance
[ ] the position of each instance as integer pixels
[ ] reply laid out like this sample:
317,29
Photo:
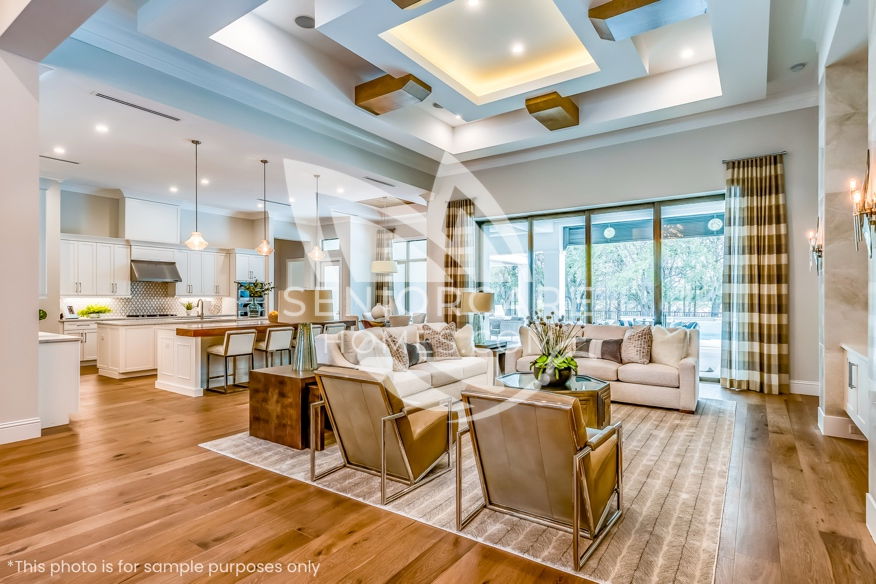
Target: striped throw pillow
609,349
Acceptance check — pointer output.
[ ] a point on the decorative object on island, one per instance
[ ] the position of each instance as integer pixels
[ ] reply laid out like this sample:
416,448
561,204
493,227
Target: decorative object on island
273,316
480,304
316,253
556,339
256,289
264,248
189,306
864,209
303,308
94,310
816,248
196,241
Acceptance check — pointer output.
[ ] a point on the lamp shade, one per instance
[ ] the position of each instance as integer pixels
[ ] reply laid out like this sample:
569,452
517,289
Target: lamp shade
298,306
476,302
384,267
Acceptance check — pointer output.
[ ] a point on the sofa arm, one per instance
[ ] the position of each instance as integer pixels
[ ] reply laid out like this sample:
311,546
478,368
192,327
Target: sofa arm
512,355
689,384
328,352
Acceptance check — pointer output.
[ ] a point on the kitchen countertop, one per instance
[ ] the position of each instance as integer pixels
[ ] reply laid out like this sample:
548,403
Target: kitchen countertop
56,338
150,319
218,329
159,321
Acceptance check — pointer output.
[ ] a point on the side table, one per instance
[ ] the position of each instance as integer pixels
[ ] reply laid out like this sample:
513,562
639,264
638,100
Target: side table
279,406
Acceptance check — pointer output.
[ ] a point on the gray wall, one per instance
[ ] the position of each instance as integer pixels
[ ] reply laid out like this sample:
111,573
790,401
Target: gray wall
83,214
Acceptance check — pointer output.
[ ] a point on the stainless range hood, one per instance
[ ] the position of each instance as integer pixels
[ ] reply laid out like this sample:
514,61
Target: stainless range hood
152,271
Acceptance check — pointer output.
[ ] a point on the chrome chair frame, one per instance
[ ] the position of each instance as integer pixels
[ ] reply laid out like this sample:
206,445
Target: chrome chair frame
594,531
269,355
385,476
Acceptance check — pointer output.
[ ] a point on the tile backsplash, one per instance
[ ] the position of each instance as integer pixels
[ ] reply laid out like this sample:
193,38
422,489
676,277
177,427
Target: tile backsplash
148,298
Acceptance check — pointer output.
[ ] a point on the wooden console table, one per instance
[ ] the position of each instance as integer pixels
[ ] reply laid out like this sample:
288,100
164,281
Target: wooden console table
279,406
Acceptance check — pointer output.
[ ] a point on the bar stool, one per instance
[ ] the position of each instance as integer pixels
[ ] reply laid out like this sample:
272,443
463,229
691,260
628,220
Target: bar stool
277,340
237,344
333,329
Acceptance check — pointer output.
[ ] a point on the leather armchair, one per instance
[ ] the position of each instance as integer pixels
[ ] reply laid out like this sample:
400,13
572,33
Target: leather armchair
538,461
378,434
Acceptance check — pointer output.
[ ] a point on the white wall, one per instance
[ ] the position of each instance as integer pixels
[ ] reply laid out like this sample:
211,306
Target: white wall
220,230
674,165
83,214
19,238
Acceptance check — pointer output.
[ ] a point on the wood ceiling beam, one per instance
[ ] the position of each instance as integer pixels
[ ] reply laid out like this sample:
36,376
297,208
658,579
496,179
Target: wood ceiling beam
621,19
553,111
389,93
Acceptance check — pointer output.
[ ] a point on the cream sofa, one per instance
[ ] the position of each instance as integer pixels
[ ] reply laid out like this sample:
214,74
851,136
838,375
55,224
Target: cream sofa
423,385
653,384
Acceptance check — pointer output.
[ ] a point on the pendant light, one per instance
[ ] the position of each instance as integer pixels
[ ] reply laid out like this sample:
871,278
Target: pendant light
317,254
196,241
384,266
264,248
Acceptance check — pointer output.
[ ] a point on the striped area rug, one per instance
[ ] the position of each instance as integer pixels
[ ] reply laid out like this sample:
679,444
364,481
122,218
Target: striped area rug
675,476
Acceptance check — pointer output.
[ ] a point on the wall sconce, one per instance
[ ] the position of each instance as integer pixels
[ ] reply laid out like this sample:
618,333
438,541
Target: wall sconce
816,248
863,210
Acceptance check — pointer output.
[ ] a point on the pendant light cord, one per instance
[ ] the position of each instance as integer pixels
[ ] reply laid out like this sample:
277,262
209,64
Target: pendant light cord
265,197
318,222
196,142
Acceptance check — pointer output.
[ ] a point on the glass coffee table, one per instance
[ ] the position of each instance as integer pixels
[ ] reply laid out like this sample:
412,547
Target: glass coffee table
594,394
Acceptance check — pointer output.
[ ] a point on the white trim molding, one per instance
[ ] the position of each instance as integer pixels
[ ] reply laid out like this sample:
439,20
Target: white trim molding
871,514
838,426
16,430
799,387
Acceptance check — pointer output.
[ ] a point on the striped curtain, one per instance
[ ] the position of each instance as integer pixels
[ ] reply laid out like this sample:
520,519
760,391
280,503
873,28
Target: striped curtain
383,282
459,230
754,351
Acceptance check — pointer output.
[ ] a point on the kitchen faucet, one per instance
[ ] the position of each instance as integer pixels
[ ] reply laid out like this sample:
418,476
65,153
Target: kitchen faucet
200,306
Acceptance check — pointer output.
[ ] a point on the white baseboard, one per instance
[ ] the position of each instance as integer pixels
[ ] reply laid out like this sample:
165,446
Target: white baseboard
805,387
870,503
838,427
180,389
16,430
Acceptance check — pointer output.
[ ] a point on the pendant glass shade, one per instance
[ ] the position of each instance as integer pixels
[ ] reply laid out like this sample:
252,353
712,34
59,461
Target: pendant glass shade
196,241
264,248
384,267
316,254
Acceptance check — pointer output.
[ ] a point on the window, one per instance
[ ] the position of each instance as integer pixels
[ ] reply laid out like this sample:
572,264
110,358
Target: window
333,244
409,282
330,278
611,266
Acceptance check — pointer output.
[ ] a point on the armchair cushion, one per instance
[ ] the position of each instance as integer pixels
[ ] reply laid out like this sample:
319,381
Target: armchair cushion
424,435
650,374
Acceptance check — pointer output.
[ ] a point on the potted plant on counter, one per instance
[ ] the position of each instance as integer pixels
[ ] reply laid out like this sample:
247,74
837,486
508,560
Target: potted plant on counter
256,289
556,339
94,311
189,306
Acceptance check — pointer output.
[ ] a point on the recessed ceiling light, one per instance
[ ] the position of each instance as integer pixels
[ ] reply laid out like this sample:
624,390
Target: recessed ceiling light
173,189
687,53
797,67
59,150
205,181
305,21
474,3
101,128
340,190
458,117
518,48
437,105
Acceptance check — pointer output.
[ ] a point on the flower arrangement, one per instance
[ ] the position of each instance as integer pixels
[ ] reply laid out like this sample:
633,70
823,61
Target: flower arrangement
257,289
188,305
556,339
93,310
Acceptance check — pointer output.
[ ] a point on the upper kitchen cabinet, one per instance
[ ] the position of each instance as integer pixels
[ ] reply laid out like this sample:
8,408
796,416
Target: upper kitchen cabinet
204,273
95,268
249,267
215,274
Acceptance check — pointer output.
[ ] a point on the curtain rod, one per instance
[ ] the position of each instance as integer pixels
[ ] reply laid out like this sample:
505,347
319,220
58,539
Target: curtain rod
758,156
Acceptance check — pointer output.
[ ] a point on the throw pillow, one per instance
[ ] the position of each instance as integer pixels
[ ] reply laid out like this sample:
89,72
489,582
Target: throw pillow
668,347
419,353
609,349
398,351
636,346
464,338
442,339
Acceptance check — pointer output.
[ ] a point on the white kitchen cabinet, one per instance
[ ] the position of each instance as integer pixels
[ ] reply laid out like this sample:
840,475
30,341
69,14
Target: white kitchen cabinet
87,331
857,386
221,275
248,267
90,268
78,269
198,272
126,350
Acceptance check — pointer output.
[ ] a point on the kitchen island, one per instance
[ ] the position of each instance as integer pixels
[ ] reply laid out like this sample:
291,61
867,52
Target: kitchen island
181,354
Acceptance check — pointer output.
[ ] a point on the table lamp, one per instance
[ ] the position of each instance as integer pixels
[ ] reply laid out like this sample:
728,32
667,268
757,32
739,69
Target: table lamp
303,308
480,304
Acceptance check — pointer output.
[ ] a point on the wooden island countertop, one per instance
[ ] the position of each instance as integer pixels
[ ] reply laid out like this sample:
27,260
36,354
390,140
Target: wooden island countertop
218,329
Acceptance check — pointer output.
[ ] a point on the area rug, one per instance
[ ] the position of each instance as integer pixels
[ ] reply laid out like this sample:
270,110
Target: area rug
675,476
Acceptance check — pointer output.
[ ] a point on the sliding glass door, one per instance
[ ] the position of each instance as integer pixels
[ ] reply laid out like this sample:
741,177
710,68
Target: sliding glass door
656,263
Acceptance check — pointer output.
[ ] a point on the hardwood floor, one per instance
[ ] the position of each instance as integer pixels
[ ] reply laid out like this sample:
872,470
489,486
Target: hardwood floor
126,483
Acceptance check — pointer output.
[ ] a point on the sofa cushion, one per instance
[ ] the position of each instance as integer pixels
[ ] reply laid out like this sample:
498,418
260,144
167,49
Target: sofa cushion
356,345
410,382
649,374
668,346
599,368
604,331
451,370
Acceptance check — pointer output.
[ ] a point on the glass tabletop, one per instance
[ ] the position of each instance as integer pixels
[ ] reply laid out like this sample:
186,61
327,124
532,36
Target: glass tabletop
528,381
